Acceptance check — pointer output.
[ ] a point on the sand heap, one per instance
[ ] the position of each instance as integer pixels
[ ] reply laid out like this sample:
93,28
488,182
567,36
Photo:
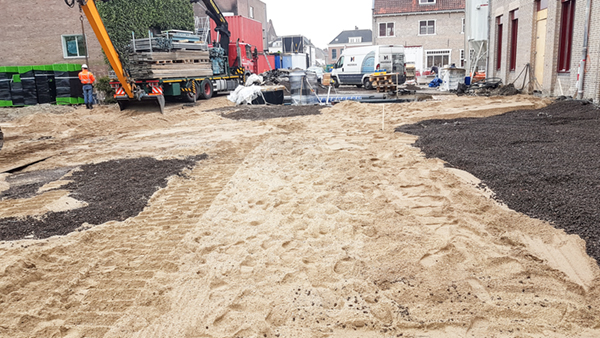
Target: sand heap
310,226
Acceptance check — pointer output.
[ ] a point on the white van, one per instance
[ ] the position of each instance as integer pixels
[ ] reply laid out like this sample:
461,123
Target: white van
356,64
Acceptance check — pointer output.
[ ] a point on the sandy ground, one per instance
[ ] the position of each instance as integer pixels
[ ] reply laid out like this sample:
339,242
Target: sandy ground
310,226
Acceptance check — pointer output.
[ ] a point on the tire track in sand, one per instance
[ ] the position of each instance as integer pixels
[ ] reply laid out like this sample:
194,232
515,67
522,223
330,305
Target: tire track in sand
88,284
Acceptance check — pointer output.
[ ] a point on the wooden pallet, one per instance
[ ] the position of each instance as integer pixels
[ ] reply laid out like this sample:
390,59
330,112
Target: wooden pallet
388,88
170,56
384,82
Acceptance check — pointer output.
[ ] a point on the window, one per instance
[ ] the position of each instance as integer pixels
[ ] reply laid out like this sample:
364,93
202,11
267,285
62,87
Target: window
334,53
74,46
499,42
542,4
248,52
426,2
514,33
251,12
427,27
438,58
566,36
386,29
462,58
462,26
355,40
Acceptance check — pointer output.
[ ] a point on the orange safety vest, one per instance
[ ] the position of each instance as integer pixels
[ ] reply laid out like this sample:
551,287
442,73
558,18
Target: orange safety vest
86,77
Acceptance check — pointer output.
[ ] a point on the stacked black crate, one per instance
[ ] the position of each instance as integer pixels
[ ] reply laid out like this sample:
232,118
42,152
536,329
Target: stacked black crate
16,91
29,86
5,97
68,86
45,84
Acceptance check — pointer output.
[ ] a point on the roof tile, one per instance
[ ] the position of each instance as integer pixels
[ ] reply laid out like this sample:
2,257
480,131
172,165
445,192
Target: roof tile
413,6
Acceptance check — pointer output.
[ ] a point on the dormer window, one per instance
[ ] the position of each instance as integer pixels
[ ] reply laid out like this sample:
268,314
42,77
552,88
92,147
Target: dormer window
427,2
355,40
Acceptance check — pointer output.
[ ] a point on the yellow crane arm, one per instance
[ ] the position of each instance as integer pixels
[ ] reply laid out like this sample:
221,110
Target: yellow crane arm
91,12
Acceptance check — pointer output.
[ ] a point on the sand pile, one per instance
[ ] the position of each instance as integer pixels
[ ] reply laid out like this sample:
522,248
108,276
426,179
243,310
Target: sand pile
309,226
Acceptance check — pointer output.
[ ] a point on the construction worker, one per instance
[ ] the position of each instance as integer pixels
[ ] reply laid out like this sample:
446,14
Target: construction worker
87,80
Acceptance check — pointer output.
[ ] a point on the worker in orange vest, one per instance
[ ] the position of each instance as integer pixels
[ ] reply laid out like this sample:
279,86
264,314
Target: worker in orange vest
87,80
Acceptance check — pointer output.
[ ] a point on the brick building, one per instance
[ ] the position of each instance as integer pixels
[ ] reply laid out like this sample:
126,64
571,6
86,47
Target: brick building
432,31
348,39
548,38
253,9
28,40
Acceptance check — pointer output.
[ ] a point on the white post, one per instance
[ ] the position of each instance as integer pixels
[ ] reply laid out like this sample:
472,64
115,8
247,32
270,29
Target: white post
383,119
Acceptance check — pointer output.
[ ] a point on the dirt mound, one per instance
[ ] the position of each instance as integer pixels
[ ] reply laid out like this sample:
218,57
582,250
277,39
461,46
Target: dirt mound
256,113
9,114
543,163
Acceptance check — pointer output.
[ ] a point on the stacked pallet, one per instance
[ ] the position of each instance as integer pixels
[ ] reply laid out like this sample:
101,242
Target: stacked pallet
175,64
383,82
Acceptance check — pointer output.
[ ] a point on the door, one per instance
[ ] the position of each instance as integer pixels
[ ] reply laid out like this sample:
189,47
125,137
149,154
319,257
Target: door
540,45
415,55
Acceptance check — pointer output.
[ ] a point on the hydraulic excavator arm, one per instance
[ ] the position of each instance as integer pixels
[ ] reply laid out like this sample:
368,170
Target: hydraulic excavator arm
222,27
91,12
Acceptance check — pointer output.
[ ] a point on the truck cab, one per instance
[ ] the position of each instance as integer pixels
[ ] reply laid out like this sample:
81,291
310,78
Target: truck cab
247,57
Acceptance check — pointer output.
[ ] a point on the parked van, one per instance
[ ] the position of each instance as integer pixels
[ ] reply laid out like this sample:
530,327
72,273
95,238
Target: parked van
356,64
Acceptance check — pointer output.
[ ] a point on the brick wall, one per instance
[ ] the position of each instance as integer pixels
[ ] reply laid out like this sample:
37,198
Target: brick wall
553,83
32,30
448,33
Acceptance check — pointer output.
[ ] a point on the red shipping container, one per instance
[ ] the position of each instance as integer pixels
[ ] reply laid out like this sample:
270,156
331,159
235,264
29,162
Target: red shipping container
263,65
245,29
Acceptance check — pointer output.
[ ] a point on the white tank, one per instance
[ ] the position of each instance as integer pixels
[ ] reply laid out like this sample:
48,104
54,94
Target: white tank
476,20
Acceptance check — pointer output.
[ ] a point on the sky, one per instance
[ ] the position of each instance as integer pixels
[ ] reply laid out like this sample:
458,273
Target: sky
319,20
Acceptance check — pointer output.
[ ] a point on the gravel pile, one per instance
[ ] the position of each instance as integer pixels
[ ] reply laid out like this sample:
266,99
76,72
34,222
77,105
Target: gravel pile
544,163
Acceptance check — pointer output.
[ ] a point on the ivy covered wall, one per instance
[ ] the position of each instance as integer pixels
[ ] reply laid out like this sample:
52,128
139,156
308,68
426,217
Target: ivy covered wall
121,17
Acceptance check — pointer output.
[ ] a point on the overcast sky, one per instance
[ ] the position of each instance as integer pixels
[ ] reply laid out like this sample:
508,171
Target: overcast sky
319,20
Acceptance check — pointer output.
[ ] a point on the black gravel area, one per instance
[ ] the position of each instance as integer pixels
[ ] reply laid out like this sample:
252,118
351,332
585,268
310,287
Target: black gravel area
257,113
544,163
26,185
114,190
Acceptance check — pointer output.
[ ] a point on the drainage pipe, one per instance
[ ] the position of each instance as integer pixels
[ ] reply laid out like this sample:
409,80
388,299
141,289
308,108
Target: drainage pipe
586,33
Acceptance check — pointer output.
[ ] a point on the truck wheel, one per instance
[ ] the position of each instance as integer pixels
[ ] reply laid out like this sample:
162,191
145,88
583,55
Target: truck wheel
206,89
368,84
190,96
123,104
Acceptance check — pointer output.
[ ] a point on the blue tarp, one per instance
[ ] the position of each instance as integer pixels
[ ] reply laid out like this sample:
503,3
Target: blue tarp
435,82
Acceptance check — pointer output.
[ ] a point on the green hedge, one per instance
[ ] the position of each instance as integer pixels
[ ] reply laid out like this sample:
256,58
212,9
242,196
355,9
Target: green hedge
121,17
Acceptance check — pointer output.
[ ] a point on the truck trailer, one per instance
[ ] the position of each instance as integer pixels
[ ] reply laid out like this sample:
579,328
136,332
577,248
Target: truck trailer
231,62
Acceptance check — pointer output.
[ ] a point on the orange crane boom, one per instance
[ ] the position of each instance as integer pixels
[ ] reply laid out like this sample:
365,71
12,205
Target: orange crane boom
91,12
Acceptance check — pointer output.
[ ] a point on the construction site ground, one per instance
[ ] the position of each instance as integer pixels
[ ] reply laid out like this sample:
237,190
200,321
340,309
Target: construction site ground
223,221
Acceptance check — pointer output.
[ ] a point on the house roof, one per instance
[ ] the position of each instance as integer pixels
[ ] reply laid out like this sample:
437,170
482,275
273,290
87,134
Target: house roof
413,6
343,37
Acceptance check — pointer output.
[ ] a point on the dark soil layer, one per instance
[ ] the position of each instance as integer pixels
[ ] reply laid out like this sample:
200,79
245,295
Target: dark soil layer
256,113
114,190
26,185
543,163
